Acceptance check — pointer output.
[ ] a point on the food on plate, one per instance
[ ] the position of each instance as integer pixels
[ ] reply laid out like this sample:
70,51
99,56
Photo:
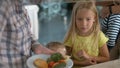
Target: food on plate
58,65
56,60
40,63
66,57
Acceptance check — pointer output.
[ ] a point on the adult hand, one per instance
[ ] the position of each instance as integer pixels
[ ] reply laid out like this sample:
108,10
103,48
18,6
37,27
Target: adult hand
39,49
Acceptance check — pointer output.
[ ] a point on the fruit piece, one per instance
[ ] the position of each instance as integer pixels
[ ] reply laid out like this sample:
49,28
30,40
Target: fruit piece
56,63
50,64
60,61
40,63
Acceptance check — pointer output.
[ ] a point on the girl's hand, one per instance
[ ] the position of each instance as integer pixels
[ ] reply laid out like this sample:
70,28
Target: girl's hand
83,54
93,61
90,61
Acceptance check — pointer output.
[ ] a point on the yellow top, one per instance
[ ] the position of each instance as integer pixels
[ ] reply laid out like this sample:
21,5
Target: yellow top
86,43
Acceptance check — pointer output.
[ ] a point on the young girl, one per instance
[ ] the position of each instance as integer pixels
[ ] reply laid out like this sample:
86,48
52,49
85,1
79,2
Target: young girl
84,39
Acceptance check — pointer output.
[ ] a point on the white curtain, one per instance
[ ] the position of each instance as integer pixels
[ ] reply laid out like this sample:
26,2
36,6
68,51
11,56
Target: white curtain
33,15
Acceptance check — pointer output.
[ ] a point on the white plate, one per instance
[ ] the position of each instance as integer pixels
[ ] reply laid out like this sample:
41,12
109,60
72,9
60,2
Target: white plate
44,56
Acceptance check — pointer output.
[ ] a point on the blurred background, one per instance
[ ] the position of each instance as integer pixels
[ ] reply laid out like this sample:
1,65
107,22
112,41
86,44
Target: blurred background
50,19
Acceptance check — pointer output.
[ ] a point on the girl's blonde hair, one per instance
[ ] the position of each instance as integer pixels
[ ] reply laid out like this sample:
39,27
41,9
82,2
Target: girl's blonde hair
90,5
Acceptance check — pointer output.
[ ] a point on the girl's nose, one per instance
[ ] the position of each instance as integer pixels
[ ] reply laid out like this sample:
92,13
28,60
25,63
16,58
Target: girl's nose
84,23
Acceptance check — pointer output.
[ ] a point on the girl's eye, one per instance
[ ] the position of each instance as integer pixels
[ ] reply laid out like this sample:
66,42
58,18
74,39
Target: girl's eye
88,19
79,19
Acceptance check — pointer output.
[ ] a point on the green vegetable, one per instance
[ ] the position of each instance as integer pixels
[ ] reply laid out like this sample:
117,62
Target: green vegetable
60,65
56,57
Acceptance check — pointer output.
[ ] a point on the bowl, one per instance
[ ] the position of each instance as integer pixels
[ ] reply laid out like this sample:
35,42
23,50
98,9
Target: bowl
30,60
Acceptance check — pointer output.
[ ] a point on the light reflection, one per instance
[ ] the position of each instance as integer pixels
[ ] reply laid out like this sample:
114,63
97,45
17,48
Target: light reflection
51,8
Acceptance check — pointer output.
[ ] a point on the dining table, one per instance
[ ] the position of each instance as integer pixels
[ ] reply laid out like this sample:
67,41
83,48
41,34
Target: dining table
108,64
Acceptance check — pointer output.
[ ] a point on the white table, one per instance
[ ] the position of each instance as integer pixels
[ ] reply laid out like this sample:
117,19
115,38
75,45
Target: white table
109,64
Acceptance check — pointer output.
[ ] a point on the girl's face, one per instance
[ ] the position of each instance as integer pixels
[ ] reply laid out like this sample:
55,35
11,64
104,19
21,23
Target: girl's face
84,21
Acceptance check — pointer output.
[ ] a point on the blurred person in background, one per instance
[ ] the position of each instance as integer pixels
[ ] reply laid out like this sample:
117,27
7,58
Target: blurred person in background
110,24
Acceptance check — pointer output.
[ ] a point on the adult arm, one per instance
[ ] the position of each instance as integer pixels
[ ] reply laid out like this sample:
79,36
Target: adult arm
104,3
113,29
36,47
107,2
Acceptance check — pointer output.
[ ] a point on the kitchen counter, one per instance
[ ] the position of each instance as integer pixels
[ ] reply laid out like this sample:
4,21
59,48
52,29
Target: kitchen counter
109,64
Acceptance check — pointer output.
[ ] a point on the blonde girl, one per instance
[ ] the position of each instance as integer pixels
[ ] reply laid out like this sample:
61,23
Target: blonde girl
85,41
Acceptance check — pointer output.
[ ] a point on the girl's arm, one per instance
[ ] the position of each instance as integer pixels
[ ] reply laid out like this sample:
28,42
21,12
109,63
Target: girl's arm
103,55
84,63
88,60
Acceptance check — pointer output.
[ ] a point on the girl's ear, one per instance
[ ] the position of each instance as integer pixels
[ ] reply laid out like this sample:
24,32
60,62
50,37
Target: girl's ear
93,21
